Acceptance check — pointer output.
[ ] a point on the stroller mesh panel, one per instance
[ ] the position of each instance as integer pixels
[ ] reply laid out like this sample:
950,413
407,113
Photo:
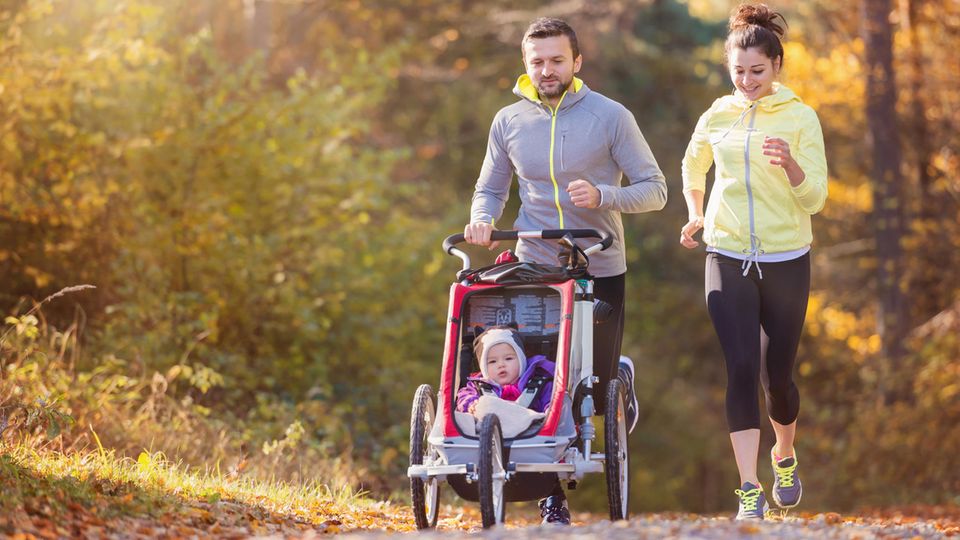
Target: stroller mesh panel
536,311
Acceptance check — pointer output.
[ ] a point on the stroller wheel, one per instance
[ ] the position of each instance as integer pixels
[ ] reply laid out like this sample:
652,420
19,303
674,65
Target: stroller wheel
616,452
425,493
491,471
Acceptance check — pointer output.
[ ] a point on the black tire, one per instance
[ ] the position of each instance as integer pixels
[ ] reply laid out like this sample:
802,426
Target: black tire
616,451
490,470
425,494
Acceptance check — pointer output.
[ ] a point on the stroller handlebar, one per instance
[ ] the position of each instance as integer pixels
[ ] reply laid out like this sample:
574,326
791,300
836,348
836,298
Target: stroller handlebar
450,242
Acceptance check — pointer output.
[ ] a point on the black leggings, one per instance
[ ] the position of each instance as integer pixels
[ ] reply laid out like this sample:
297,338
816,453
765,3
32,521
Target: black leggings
759,322
607,336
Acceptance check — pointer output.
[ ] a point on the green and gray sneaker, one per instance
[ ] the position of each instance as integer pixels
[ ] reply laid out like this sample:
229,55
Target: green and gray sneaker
753,503
786,484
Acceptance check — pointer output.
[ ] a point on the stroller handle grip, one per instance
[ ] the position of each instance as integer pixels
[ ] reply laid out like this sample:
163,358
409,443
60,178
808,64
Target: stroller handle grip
548,234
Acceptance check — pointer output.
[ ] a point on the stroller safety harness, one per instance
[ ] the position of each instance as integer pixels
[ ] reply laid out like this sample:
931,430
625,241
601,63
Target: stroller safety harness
530,390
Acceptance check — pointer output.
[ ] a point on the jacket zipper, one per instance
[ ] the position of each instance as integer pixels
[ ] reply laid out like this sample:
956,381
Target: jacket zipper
755,250
553,178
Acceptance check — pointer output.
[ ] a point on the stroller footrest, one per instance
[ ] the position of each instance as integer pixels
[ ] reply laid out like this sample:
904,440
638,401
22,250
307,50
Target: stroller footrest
576,469
426,471
543,467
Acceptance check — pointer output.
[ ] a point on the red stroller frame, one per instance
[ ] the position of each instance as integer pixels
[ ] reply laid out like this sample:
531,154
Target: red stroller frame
480,464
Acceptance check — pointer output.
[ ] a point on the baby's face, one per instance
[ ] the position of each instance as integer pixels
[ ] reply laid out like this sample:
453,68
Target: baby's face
503,366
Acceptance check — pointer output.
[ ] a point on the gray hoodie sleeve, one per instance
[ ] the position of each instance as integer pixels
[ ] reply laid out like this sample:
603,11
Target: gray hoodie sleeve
493,185
647,190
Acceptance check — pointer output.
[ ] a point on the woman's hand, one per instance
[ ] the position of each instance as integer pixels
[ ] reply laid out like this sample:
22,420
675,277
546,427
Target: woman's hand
690,229
779,149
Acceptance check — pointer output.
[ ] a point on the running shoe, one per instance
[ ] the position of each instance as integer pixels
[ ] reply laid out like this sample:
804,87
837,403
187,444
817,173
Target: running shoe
554,510
786,484
753,503
626,374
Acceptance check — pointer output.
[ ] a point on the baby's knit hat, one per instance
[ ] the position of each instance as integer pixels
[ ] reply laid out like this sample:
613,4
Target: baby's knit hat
492,336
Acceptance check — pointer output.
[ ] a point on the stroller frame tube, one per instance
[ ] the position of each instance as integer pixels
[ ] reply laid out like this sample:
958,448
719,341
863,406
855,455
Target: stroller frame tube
583,326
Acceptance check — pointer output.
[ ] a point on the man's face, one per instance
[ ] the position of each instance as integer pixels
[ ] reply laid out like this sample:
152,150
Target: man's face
550,64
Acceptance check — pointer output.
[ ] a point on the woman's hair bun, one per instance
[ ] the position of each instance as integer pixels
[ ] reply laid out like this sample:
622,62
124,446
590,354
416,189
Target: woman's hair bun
746,15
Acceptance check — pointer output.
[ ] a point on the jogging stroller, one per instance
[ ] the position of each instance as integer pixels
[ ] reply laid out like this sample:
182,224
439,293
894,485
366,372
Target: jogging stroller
554,310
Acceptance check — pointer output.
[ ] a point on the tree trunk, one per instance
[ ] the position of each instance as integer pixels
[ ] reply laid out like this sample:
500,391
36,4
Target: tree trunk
920,131
261,26
926,276
882,137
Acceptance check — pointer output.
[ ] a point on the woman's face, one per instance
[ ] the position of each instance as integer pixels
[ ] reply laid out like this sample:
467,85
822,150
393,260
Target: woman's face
753,72
503,366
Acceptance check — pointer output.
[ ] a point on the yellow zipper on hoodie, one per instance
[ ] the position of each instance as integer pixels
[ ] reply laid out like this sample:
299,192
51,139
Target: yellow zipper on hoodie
553,178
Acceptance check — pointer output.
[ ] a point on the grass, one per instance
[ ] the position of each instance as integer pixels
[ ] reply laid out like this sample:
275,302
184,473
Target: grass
48,489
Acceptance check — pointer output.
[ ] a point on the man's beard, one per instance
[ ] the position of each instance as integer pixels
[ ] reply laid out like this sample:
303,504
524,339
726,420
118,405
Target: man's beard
560,89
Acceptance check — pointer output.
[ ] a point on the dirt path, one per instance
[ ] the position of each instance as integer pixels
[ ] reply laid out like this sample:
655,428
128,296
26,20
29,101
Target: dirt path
683,526
231,520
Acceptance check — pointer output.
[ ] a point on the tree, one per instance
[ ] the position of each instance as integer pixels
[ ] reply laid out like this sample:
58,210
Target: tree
884,143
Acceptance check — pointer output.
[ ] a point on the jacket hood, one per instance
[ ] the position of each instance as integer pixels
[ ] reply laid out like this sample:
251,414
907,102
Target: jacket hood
780,98
525,89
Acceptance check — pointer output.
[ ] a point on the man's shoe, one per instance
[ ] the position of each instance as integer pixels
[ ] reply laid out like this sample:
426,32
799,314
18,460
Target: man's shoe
626,374
554,510
786,484
753,503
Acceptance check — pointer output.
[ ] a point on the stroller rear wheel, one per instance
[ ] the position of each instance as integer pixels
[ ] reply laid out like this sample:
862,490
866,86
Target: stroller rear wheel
425,493
616,452
491,472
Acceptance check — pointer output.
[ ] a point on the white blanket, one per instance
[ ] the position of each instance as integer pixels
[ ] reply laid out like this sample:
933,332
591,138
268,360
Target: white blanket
514,419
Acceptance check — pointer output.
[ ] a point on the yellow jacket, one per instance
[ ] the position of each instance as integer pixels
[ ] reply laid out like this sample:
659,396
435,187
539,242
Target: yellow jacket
752,208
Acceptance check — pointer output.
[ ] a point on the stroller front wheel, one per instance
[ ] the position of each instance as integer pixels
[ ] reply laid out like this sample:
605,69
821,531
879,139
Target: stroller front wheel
491,472
425,493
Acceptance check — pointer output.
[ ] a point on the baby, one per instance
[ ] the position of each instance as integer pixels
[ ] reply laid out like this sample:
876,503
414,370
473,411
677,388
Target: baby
505,371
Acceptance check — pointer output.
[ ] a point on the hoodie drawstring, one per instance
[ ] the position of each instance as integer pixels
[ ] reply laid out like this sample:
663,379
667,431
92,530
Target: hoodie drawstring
755,253
734,126
755,250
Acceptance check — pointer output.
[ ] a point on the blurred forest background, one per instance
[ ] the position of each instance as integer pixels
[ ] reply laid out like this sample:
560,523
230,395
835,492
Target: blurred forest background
258,190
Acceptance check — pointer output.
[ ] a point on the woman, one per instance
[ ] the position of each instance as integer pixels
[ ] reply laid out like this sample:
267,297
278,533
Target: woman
771,176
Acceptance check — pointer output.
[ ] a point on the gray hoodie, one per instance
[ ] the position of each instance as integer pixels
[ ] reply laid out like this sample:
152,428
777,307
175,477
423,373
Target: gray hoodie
589,137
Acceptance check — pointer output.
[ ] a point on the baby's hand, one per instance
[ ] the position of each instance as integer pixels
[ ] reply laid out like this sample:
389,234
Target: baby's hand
472,409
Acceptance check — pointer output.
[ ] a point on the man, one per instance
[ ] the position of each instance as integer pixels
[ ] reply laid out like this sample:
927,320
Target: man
570,148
